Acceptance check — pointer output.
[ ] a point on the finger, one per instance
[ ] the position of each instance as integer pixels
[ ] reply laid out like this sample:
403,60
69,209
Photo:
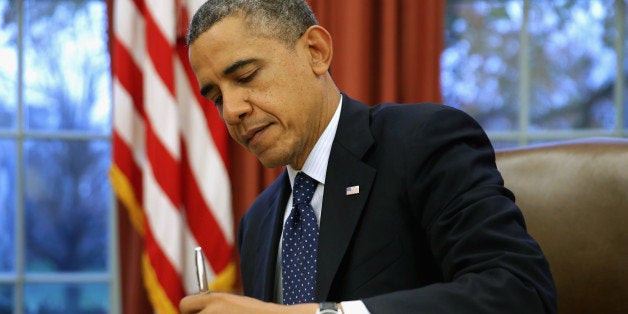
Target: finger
193,303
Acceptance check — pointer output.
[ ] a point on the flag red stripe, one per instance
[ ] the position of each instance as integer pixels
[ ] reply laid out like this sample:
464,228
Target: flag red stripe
161,53
202,223
140,5
129,75
165,167
168,277
123,158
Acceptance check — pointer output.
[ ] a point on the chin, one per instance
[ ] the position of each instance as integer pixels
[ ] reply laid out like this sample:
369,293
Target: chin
272,162
274,156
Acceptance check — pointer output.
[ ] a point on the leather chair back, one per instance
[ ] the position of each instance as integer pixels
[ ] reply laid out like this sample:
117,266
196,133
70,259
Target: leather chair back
574,197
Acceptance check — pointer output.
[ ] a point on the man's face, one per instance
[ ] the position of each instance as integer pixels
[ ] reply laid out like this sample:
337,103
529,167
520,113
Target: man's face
266,92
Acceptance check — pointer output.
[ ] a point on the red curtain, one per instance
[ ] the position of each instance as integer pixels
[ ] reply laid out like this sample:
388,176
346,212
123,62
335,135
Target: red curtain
383,51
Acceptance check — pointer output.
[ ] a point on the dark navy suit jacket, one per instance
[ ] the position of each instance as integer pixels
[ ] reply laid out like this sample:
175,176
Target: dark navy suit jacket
432,229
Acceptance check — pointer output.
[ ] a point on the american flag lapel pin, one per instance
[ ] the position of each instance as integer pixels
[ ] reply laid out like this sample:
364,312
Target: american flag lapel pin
353,190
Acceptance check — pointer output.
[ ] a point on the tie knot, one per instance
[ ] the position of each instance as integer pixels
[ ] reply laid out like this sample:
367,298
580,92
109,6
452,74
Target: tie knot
303,190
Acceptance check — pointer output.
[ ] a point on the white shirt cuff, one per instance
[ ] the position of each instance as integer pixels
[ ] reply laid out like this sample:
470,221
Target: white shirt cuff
354,307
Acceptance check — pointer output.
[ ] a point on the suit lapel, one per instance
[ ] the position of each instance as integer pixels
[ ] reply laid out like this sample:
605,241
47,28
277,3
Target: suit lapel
268,240
342,210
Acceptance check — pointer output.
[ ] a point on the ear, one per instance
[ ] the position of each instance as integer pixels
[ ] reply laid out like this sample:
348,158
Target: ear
320,48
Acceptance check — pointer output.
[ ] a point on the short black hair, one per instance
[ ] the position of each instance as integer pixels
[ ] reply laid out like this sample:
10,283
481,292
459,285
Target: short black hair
285,20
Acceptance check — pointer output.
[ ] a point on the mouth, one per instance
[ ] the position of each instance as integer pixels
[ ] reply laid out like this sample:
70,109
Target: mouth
252,135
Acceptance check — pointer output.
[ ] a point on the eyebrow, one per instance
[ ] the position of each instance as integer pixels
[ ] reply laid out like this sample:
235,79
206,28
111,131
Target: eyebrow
229,70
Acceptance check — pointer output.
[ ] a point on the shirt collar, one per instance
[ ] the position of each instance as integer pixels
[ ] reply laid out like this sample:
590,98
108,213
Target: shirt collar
315,165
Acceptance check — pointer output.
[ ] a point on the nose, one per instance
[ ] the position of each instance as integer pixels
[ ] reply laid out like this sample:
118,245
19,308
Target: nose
234,107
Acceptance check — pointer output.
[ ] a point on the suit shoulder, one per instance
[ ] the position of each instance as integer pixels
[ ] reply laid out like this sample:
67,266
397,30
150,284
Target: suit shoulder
266,199
411,111
415,118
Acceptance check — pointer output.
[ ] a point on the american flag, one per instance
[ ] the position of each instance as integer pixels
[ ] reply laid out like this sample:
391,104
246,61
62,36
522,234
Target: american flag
170,167
351,190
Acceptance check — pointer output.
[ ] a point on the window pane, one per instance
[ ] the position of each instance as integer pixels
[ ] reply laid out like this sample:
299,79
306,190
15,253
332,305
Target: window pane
67,198
7,205
6,299
573,64
66,76
8,66
66,298
479,65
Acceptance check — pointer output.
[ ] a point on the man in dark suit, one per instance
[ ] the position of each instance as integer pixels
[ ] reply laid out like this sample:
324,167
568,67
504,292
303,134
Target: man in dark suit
410,212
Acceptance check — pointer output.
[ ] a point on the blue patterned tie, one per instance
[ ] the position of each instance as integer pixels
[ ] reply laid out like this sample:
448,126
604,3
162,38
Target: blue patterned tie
300,243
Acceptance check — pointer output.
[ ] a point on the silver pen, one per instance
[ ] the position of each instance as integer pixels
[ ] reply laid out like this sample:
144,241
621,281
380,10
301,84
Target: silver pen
201,273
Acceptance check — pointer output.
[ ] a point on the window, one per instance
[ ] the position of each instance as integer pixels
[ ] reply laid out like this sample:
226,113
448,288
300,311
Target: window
533,71
56,205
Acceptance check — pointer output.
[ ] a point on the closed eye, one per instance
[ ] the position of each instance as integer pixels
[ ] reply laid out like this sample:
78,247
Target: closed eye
247,78
218,101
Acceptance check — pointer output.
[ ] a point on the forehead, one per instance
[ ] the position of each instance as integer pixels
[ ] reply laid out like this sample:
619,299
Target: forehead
227,41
